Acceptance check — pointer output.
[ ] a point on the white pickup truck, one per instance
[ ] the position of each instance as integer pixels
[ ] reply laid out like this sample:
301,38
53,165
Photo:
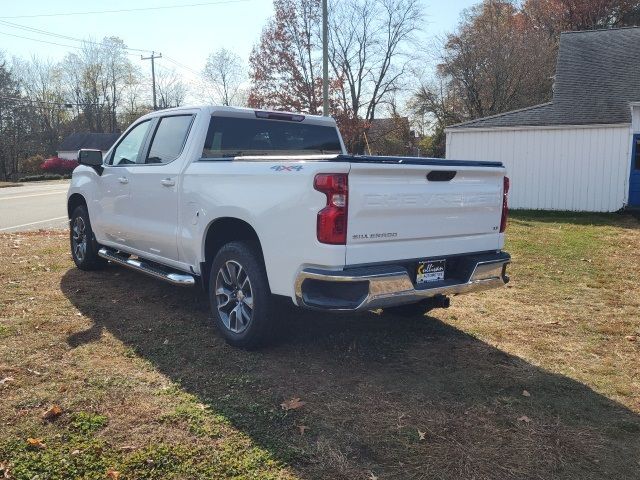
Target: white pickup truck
253,204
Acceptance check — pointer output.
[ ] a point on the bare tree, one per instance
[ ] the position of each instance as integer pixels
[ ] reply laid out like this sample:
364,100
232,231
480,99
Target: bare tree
17,117
117,71
224,73
434,107
371,43
171,90
134,97
41,83
94,79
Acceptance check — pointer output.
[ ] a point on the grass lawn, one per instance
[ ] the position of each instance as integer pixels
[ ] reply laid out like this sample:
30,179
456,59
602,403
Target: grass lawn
539,380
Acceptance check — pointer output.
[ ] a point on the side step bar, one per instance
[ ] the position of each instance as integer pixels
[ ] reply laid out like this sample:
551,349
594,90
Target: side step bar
181,279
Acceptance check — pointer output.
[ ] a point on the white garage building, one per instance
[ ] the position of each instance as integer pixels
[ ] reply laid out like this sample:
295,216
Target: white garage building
581,151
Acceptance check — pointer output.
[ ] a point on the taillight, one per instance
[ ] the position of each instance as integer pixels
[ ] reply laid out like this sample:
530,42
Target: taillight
332,219
505,204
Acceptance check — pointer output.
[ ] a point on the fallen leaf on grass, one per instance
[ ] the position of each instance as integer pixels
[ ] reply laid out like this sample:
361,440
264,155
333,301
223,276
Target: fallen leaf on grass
631,338
525,393
302,429
113,474
36,443
422,435
54,412
75,452
292,404
524,419
6,380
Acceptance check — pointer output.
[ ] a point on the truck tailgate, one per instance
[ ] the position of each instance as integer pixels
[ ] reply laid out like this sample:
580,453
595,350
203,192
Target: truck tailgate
404,211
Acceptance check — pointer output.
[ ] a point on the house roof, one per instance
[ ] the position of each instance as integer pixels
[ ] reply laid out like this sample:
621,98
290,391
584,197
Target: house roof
597,76
97,141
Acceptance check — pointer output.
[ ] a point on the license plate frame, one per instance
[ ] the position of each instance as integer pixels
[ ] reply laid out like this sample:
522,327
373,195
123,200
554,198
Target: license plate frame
431,271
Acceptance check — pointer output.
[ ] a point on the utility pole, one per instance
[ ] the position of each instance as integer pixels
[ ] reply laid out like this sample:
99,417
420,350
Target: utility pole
325,59
153,74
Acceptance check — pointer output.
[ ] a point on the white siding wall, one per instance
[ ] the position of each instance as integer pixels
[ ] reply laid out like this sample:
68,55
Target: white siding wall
68,155
573,168
73,155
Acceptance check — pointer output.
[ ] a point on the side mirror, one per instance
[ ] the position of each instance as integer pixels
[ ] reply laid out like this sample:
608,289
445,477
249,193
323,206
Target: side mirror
90,158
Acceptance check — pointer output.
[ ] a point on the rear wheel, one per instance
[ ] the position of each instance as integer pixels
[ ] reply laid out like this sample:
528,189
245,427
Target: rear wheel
84,248
239,295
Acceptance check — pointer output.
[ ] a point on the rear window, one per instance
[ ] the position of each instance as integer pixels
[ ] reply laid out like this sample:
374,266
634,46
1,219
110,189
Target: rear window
231,137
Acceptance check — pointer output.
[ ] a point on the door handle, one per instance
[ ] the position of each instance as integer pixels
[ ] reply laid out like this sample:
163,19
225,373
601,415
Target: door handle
123,180
168,182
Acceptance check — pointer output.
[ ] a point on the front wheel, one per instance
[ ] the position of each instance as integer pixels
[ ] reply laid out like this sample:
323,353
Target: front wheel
84,248
239,295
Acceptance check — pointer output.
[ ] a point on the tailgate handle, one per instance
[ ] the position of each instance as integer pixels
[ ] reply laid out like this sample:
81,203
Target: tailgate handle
441,175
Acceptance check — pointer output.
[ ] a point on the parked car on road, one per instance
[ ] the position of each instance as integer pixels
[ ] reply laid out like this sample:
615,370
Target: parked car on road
253,204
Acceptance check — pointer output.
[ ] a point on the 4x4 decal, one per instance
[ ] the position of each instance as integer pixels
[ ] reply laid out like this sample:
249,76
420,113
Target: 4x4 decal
286,168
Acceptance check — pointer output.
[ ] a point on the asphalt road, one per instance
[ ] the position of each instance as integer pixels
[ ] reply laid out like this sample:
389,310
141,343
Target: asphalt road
33,206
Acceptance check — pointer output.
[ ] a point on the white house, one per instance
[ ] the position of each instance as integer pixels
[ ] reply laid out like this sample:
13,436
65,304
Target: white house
581,151
69,147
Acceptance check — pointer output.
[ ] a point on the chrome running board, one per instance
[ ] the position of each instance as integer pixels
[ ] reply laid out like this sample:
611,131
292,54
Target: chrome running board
153,270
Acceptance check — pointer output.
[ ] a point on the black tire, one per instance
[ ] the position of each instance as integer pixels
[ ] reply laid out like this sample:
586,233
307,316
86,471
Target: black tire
84,248
412,310
242,325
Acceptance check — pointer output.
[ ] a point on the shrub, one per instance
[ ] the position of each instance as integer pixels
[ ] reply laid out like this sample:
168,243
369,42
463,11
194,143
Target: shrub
31,165
59,165
48,176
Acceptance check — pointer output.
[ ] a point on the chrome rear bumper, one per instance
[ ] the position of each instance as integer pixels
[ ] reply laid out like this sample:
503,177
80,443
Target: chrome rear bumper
367,288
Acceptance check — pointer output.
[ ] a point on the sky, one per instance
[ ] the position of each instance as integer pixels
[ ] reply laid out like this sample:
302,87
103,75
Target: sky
185,36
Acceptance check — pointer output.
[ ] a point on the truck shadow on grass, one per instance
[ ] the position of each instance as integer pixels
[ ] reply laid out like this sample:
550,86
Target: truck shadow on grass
373,386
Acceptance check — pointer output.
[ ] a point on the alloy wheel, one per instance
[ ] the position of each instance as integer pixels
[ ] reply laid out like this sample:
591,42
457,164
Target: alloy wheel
79,238
234,296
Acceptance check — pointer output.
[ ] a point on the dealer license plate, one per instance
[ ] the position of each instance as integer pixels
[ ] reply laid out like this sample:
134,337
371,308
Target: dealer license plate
430,271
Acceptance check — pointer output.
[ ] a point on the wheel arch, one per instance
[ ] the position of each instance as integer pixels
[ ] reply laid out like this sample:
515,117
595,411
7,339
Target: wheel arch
73,202
222,231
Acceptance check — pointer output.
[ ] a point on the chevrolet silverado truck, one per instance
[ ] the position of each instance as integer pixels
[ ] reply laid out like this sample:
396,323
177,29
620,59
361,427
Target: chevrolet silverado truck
254,205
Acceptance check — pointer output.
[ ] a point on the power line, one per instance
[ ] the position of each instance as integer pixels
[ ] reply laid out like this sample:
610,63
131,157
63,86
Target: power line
44,102
38,40
165,7
182,65
65,37
51,43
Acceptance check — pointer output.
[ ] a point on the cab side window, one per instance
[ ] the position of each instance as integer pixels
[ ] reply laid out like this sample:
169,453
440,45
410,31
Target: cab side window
169,139
128,150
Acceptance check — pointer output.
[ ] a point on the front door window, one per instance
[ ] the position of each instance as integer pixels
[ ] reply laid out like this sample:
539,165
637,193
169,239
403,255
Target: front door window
128,150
